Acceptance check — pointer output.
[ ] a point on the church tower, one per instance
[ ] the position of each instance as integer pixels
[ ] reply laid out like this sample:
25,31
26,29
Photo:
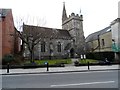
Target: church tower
74,24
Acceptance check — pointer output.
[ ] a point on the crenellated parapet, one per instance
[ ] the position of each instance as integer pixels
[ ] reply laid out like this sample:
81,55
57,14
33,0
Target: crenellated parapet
76,15
73,16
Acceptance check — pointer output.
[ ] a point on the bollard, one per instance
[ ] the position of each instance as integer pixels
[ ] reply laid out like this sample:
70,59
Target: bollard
47,66
8,68
88,66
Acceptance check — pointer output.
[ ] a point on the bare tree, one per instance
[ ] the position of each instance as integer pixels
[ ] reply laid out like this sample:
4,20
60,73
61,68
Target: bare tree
30,36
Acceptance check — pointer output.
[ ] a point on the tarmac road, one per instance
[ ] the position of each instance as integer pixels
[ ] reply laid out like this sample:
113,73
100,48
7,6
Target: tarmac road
90,79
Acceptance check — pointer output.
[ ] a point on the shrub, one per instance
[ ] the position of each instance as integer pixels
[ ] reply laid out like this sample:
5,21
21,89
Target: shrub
76,63
8,58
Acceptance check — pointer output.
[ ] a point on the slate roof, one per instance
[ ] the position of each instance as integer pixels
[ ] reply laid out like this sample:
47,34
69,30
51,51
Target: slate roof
48,32
3,12
114,21
94,36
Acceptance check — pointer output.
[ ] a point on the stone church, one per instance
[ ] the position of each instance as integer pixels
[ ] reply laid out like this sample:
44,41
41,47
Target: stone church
59,43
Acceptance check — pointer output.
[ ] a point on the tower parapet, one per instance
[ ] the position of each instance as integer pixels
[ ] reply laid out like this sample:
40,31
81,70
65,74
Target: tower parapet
73,16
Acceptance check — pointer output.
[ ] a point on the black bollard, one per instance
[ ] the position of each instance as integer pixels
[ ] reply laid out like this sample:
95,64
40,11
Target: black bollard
8,68
47,66
88,66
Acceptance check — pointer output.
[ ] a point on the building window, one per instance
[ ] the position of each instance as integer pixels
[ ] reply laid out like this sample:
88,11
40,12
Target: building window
43,47
103,42
59,47
51,46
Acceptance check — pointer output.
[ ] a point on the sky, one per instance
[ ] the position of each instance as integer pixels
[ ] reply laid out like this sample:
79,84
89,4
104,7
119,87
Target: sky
97,14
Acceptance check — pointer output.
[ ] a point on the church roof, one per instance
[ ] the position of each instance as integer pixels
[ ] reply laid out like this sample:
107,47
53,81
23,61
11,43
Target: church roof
94,36
48,32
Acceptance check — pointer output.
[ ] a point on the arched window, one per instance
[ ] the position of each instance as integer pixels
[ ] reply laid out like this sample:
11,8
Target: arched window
59,47
43,47
51,46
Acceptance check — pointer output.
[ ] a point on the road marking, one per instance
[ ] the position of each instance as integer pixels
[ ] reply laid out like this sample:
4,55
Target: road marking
58,73
81,84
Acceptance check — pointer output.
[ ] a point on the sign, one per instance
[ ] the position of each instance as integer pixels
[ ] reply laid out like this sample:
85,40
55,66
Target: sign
115,48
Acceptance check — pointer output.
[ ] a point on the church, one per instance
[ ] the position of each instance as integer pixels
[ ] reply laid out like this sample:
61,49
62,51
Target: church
68,42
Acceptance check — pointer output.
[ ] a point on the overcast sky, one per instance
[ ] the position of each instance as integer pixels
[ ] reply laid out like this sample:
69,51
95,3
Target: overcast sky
97,14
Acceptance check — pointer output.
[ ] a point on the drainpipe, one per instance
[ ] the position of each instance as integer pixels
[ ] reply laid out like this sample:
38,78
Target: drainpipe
99,45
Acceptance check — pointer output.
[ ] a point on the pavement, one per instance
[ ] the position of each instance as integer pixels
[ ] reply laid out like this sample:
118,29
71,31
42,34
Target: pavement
67,68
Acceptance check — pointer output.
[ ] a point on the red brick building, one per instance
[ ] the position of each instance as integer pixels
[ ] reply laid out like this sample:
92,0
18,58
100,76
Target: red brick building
8,36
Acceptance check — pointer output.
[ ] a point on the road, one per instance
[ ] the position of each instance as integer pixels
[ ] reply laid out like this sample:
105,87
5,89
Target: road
92,79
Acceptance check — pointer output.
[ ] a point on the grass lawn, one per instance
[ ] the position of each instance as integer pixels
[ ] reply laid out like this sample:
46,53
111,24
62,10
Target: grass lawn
88,60
52,62
58,61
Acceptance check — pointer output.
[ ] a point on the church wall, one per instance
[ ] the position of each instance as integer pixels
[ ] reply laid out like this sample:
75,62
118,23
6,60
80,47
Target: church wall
55,54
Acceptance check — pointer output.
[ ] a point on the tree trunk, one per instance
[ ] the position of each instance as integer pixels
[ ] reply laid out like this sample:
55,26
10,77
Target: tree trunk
32,56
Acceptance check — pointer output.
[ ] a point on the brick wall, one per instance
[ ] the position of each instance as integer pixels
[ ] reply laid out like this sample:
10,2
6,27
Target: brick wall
0,40
8,34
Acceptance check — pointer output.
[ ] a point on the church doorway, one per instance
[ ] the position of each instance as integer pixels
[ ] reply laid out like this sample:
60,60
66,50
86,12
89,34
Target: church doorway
72,53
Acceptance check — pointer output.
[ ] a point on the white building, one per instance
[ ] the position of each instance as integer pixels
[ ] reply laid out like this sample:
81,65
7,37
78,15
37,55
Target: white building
115,27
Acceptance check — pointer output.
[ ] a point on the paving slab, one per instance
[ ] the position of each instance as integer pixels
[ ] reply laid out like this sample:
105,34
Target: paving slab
59,69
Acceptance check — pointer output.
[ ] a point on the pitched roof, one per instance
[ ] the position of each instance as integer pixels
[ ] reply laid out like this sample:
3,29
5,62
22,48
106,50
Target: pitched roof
115,21
94,36
48,32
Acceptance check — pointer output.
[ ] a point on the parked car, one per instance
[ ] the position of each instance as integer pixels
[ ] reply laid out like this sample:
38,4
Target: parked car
104,62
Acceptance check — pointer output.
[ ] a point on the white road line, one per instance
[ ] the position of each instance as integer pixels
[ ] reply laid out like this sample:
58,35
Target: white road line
59,73
81,84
